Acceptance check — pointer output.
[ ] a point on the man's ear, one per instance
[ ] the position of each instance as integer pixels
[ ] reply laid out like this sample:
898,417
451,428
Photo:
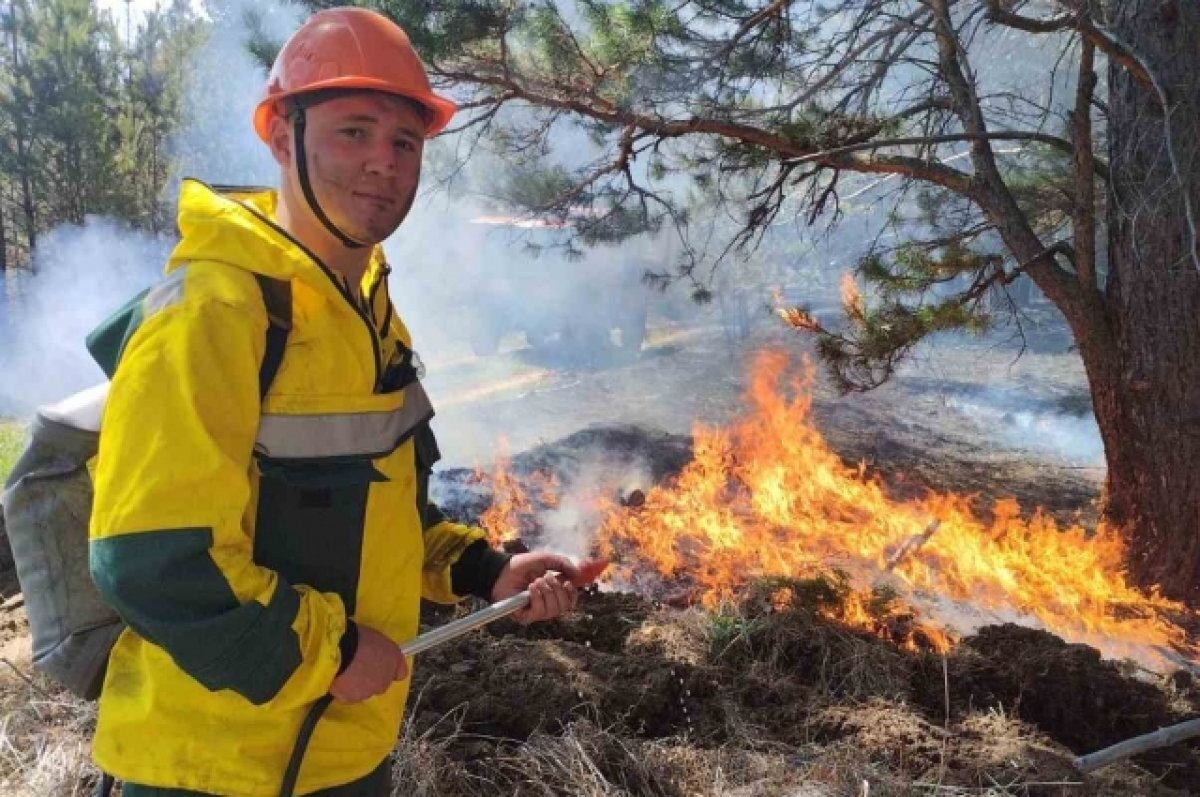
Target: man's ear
279,140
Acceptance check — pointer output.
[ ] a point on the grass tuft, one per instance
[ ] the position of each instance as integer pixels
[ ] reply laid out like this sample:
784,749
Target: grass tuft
45,737
12,439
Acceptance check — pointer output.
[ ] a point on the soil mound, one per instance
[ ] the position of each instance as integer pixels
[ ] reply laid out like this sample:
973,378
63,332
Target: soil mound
1066,690
759,677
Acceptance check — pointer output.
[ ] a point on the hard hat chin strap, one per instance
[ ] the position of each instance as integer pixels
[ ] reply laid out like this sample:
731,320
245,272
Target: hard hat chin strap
298,125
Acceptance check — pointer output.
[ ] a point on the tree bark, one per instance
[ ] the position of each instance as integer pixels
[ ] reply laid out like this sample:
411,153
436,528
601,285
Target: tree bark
1145,376
3,249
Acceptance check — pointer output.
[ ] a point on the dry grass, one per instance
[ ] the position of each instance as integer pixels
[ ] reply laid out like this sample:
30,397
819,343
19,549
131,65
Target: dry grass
45,738
587,760
794,641
676,635
423,763
852,732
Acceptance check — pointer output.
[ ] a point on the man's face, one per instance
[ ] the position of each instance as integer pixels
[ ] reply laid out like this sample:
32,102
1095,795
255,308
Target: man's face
364,161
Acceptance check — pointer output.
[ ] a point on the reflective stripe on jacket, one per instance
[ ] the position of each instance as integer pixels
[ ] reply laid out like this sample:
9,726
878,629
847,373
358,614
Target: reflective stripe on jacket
235,537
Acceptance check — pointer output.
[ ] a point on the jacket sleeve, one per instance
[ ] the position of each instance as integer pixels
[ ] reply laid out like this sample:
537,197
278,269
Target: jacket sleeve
459,561
172,485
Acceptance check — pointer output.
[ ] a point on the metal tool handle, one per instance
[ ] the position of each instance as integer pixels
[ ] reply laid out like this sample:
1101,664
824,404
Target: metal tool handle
453,630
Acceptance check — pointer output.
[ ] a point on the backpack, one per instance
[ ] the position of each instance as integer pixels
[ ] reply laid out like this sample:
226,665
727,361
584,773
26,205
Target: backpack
48,502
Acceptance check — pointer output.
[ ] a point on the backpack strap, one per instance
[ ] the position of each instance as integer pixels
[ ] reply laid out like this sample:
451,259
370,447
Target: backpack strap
277,297
107,342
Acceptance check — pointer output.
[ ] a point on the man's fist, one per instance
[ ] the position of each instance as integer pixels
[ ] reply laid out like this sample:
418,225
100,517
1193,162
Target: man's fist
377,662
553,582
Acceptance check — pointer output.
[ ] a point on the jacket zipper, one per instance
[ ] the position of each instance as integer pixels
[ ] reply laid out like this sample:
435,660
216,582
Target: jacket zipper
371,330
384,270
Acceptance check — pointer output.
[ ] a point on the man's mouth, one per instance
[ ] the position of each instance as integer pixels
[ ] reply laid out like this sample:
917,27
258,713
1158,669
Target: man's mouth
375,198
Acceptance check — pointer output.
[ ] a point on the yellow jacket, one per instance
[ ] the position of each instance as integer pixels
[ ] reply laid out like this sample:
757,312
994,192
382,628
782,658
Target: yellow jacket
236,537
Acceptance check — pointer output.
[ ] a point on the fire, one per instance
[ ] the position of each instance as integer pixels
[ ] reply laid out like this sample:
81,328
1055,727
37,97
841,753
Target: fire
768,497
852,298
512,513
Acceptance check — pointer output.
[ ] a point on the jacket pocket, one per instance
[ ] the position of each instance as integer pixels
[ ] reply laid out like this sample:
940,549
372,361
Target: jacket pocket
310,522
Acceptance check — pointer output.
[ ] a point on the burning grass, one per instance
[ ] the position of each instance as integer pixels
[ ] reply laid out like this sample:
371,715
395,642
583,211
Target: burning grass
767,496
511,514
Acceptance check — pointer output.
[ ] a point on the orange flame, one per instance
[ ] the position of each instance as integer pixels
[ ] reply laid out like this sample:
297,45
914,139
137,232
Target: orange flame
512,513
768,497
852,299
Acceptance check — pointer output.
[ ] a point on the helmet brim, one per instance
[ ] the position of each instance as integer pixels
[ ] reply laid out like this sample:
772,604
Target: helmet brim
441,110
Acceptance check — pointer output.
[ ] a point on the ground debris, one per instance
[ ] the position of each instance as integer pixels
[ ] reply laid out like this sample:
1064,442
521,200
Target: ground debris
809,702
1065,690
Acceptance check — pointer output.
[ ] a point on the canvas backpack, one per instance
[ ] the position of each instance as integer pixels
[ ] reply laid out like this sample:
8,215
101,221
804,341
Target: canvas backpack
48,502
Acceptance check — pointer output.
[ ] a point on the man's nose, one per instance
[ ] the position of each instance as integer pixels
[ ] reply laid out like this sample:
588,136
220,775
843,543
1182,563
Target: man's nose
383,158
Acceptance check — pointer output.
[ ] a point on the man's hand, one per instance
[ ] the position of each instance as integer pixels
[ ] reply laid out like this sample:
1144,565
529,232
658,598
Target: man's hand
552,581
377,662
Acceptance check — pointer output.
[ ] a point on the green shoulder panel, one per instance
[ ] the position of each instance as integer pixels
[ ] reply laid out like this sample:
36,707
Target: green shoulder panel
107,342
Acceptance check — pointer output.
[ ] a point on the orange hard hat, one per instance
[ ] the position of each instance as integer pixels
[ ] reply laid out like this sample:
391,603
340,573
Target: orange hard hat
351,48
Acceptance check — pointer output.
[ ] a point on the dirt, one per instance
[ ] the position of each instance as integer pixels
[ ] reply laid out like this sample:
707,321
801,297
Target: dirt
1021,701
1065,690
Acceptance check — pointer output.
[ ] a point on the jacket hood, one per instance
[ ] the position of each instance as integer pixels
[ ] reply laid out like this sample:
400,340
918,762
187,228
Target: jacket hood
236,225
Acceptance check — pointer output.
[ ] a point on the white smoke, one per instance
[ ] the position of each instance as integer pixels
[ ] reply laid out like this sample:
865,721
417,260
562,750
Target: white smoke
216,142
1038,426
82,274
570,527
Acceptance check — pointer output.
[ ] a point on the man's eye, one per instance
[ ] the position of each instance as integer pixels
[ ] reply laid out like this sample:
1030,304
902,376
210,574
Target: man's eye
405,145
355,133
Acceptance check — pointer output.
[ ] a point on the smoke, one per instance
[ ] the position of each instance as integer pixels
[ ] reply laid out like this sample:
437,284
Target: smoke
1038,425
464,289
570,528
216,142
81,275
460,286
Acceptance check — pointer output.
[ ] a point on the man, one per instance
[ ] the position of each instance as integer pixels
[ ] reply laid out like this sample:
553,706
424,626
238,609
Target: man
266,552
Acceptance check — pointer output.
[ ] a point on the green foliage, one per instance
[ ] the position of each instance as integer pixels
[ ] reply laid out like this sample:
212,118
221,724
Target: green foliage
1042,183
59,95
261,46
534,188
729,627
12,437
906,308
745,623
823,592
439,29
85,115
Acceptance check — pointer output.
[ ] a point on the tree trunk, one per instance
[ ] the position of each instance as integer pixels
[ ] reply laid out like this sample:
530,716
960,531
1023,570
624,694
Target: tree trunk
28,206
1147,391
3,249
27,203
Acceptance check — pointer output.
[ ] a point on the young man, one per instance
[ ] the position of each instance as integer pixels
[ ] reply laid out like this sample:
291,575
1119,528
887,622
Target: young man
266,552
